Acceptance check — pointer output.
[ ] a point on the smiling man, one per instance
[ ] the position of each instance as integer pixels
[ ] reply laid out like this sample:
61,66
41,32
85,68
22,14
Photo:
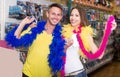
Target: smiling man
46,46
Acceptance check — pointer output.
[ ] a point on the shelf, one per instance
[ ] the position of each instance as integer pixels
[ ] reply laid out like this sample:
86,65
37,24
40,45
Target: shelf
93,65
93,5
98,65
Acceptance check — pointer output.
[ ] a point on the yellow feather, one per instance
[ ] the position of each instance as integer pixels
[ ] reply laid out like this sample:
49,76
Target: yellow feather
68,32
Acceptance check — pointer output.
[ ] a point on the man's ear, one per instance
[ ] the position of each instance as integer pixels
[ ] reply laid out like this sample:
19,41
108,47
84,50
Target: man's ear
47,14
61,16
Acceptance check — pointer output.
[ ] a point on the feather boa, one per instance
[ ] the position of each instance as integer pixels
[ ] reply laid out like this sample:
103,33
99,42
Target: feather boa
68,32
103,43
56,47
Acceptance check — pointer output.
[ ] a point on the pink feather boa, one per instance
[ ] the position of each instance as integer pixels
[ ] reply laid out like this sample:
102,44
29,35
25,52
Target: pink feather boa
103,43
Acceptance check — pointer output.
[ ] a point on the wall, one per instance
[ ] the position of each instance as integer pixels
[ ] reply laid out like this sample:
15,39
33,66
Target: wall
4,12
2,18
4,8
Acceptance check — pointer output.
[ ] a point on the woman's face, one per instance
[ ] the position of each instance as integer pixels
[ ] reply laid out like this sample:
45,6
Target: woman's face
75,18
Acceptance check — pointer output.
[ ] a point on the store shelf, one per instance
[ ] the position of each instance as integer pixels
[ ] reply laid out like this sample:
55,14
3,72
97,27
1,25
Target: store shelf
95,5
99,64
91,66
117,41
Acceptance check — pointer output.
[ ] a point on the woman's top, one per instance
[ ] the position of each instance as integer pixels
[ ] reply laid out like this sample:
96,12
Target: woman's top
73,62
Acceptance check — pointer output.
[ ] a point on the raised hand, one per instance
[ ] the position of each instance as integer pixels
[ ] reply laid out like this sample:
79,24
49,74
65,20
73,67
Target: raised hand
114,25
27,20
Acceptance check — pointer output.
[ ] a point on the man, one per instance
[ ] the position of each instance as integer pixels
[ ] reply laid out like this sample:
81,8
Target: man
46,46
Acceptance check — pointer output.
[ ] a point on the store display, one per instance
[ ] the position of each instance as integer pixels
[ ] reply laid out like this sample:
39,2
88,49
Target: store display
117,41
97,19
9,26
24,8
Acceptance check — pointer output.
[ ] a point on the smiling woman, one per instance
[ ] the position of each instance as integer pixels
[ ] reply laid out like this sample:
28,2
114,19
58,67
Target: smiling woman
79,42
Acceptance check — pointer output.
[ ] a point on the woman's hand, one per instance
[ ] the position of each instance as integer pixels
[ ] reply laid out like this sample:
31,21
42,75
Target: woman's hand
69,42
114,25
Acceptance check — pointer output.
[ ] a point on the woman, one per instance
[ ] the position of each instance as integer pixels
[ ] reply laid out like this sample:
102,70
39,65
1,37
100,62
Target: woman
78,36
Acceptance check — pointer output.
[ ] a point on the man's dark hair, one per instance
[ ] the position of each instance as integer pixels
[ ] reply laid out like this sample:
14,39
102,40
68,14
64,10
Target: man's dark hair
55,5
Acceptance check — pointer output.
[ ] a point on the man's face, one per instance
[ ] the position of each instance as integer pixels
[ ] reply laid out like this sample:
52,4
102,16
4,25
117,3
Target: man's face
54,15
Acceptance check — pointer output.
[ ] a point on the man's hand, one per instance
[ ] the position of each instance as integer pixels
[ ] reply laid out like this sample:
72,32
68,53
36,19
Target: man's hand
27,20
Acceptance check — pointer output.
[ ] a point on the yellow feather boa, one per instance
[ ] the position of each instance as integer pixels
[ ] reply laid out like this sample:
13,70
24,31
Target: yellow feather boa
67,32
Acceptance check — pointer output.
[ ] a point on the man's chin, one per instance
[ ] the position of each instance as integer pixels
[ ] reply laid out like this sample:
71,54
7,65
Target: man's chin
54,23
